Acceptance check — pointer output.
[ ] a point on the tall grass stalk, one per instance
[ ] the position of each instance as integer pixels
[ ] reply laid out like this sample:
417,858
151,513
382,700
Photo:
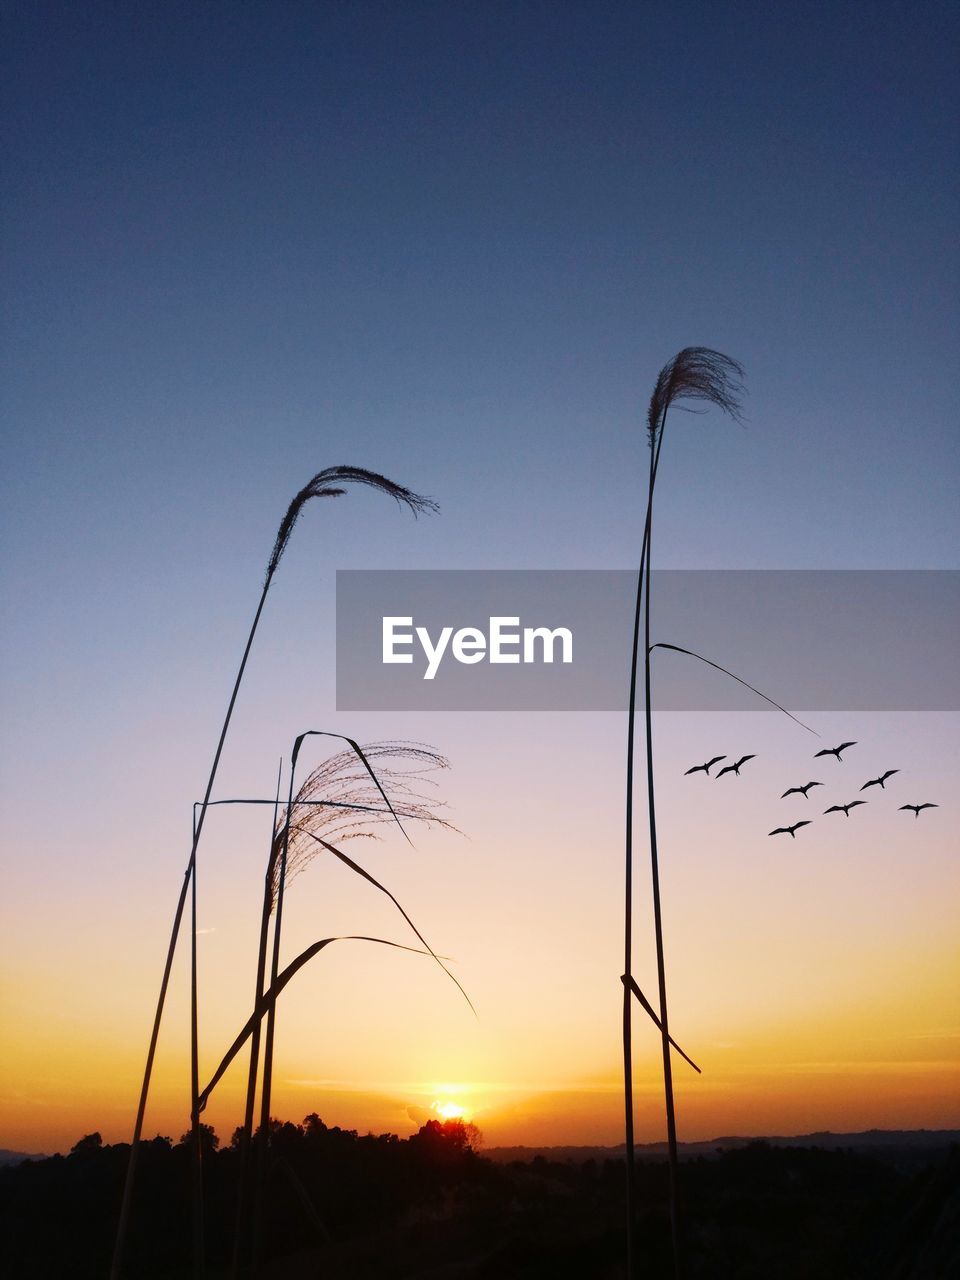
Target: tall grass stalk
335,776
196,1136
278,887
325,484
255,1042
695,373
344,779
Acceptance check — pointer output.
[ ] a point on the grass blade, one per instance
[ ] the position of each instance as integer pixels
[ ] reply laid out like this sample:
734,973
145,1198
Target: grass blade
717,667
269,997
645,1004
355,866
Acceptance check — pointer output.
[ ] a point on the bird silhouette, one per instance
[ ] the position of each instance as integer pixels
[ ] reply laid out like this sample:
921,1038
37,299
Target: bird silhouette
844,808
788,831
834,751
917,807
734,768
878,782
800,790
705,768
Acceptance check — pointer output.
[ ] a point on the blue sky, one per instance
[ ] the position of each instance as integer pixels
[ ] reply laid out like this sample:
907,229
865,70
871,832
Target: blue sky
459,241
453,243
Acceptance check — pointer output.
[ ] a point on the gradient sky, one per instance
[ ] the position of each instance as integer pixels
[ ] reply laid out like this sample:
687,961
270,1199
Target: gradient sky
455,244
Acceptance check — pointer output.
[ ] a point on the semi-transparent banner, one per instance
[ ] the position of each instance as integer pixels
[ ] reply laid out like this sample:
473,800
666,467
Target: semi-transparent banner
560,640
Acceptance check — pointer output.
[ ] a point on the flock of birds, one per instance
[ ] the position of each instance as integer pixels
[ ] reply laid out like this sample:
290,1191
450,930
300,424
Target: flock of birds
805,789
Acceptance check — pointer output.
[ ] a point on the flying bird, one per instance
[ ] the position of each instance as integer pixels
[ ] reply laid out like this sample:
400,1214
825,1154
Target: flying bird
800,790
734,768
705,768
844,808
778,831
878,782
917,807
834,751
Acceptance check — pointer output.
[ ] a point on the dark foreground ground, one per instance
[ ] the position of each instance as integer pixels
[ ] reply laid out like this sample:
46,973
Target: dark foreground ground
343,1207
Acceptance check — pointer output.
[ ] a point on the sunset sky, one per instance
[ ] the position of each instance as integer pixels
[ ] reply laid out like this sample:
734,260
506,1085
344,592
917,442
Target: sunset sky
455,244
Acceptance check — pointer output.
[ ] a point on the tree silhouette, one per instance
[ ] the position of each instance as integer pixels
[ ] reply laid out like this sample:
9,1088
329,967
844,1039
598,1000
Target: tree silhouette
208,1139
443,1141
89,1144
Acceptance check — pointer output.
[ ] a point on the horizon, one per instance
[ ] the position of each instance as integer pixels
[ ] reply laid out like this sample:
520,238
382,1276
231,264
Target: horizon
483,1148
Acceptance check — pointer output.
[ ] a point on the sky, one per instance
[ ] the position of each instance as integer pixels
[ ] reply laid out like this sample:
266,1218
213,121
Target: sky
455,244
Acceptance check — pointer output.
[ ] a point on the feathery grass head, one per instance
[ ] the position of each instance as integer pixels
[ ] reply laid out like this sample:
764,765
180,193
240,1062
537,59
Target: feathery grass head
342,780
329,484
696,373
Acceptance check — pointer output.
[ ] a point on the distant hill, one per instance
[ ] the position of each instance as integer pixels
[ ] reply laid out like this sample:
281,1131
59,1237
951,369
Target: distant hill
888,1142
17,1157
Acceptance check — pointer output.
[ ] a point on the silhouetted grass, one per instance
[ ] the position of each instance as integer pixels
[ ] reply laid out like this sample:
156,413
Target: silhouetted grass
325,484
333,801
695,373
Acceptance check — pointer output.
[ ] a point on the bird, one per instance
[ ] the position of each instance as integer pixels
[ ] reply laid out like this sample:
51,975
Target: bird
878,782
844,808
777,831
834,751
734,768
917,807
705,768
801,790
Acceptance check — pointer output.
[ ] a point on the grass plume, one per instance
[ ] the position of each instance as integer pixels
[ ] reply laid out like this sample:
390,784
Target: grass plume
699,374
329,483
696,373
334,800
344,779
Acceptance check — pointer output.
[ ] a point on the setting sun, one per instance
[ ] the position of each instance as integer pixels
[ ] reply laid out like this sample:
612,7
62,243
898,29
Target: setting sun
448,1110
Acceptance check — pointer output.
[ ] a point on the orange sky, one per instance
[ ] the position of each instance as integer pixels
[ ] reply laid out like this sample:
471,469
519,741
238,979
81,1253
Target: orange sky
814,981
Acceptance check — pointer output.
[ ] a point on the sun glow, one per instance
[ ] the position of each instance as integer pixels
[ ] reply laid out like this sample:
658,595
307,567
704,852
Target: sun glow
448,1110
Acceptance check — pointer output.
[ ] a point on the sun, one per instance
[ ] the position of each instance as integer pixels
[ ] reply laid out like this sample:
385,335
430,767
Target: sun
447,1110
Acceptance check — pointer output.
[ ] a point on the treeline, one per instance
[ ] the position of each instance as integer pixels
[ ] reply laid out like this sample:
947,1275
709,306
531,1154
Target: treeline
351,1207
58,1215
